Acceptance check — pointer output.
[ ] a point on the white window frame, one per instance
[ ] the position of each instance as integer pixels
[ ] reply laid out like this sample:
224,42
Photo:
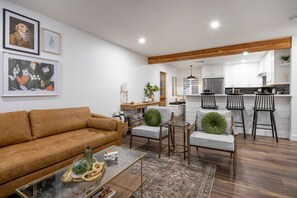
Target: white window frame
190,87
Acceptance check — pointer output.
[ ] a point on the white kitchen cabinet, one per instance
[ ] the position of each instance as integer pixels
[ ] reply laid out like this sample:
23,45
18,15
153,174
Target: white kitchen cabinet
212,71
266,68
241,75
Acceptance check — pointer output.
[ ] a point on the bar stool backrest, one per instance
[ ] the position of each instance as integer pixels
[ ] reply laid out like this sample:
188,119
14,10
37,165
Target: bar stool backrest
208,101
235,102
264,102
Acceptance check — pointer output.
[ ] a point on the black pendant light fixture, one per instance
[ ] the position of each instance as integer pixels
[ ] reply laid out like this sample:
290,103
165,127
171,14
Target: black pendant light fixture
191,77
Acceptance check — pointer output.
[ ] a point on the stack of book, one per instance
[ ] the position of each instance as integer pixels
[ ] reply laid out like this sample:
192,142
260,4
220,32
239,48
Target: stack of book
105,192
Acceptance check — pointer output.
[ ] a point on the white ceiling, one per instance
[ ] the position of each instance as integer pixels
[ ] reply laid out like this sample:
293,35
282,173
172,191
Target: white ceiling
232,59
172,26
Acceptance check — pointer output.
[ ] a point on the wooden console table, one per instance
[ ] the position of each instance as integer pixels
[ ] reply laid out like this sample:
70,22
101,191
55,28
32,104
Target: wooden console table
138,105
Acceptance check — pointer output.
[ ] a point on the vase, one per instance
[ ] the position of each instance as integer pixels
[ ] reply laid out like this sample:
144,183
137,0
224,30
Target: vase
152,97
89,157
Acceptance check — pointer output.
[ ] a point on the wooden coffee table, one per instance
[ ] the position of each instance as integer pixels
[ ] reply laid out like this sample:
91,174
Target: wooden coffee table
116,176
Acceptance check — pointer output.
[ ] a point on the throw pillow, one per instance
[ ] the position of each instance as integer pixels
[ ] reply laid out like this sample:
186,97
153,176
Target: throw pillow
214,123
152,117
102,123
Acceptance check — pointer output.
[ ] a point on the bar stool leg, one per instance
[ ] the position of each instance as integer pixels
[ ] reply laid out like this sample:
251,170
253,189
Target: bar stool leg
255,127
243,125
272,113
272,125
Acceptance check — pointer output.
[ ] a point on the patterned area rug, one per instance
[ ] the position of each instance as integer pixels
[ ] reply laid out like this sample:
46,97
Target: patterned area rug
172,177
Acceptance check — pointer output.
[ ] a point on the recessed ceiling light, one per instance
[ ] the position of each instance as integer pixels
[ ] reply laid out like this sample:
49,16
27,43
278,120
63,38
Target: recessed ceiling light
243,61
245,53
142,40
215,24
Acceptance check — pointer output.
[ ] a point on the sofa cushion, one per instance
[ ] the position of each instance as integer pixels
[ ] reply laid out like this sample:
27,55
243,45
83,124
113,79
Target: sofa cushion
149,131
54,121
102,123
25,158
222,142
14,128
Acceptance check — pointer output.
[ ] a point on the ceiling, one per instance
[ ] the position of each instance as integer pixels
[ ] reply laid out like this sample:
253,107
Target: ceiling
232,59
172,26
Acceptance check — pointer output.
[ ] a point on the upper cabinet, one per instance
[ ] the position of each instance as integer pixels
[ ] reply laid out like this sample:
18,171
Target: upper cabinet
212,71
241,75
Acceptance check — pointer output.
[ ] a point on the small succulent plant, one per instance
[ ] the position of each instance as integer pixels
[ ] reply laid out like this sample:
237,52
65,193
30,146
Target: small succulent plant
285,58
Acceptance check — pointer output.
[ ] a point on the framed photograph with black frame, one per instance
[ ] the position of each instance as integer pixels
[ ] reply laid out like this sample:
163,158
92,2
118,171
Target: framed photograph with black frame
51,41
20,33
29,76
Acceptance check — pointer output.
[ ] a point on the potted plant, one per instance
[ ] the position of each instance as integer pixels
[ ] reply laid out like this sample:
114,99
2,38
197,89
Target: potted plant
285,58
149,90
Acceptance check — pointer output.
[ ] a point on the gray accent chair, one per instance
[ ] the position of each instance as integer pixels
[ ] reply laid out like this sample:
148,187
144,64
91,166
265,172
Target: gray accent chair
224,142
153,132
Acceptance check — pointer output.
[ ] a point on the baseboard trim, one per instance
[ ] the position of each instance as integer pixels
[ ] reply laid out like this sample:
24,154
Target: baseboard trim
293,137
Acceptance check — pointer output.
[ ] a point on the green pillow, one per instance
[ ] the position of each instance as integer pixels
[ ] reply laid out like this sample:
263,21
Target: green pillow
152,117
214,123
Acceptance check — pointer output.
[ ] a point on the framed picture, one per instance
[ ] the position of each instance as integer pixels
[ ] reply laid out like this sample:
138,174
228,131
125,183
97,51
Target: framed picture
51,41
20,33
29,76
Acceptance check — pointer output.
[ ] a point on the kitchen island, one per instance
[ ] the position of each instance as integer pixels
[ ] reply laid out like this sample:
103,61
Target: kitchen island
282,113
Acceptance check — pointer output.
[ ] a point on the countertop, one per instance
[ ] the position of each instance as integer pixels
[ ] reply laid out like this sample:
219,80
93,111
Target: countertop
245,95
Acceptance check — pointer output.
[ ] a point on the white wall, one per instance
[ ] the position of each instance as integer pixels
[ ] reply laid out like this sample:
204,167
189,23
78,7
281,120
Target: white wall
293,90
91,71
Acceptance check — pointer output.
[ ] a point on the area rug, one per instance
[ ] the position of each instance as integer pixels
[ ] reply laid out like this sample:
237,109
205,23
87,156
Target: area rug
172,177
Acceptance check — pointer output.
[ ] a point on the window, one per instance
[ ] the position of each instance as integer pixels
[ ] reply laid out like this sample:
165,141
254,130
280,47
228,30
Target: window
190,86
174,85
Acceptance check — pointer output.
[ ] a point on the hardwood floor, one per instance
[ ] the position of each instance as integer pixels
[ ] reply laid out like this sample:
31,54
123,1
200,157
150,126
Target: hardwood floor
264,168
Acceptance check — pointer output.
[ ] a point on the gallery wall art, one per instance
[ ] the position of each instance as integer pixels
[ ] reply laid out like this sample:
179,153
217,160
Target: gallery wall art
51,41
20,33
29,76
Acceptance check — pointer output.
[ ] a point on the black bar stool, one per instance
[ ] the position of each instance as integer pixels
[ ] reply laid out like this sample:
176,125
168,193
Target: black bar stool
208,101
235,102
264,102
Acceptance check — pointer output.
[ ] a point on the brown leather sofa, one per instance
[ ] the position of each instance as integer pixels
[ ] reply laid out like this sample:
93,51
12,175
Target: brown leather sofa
40,142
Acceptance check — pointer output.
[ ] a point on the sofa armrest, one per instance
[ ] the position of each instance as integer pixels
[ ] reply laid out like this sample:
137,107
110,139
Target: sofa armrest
119,125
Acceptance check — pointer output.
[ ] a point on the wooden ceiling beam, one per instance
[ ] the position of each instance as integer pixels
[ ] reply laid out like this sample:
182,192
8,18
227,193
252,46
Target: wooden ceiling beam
274,44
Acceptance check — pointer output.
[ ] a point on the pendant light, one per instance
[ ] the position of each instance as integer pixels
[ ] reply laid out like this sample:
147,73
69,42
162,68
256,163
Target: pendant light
191,77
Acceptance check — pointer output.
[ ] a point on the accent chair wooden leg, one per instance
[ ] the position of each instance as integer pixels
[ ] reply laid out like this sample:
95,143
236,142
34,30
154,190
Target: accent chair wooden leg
234,163
131,137
189,154
160,147
160,142
197,148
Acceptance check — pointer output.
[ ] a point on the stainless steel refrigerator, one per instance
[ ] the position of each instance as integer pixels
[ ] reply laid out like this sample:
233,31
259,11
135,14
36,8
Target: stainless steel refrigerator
214,85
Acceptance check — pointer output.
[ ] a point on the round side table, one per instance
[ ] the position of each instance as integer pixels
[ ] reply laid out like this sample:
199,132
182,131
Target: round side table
172,146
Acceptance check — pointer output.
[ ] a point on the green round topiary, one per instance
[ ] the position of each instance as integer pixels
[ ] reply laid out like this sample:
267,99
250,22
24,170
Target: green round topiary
152,117
214,123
